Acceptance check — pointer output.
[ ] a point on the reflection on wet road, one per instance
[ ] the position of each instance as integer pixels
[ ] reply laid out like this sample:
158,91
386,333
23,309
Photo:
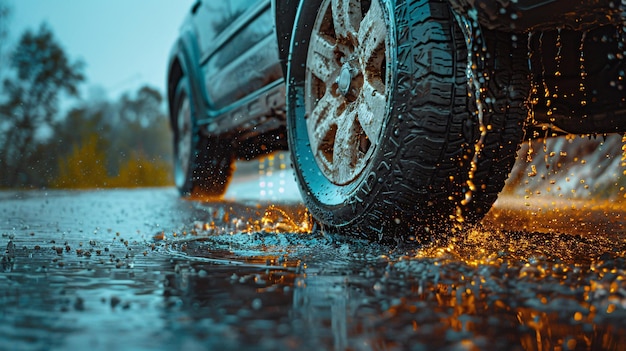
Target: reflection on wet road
144,270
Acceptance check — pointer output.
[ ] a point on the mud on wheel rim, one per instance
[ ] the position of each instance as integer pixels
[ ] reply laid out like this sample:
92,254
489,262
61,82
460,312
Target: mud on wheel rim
346,86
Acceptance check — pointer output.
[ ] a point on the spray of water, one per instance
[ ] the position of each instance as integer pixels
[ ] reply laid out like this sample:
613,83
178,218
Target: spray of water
470,28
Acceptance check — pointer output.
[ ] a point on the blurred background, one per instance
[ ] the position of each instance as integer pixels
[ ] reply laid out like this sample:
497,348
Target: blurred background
571,167
81,105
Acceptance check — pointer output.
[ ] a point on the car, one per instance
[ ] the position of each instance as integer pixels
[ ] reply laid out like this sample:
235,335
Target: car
402,118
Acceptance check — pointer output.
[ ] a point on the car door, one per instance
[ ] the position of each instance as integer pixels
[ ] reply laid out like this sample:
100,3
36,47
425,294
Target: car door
239,51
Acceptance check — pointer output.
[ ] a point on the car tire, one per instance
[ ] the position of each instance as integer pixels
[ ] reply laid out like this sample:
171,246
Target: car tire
203,166
398,172
501,61
405,171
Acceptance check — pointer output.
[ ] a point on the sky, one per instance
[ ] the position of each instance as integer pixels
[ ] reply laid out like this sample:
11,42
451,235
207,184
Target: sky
124,44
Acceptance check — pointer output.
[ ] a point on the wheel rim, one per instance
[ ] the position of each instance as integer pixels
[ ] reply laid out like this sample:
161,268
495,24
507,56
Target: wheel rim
183,143
345,86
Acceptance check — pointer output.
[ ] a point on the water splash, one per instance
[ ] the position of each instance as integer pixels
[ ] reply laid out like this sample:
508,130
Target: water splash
583,73
277,220
221,219
471,31
573,167
544,84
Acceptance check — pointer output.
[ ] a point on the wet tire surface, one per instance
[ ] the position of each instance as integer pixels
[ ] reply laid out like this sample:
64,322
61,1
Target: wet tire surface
412,182
143,269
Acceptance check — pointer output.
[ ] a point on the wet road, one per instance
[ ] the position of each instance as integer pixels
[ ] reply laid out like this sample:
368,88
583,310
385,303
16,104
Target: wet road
145,270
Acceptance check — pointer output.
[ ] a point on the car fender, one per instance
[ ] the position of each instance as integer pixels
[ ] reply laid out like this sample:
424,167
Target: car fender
285,12
186,54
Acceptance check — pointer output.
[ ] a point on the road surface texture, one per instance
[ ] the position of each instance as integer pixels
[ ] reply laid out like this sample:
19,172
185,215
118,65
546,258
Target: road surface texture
143,269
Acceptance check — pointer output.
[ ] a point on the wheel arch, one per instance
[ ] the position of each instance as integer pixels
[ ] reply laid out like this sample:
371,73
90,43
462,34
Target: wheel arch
183,60
285,13
175,74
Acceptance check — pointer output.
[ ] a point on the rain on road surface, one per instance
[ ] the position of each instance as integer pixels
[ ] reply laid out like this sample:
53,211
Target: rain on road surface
145,270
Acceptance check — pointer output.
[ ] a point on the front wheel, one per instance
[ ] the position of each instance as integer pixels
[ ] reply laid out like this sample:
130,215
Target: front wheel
382,126
378,122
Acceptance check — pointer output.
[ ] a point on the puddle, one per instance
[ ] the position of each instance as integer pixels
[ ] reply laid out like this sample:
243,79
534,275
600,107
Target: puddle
141,269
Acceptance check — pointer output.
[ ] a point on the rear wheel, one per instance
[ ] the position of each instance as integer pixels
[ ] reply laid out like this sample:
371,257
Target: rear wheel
202,166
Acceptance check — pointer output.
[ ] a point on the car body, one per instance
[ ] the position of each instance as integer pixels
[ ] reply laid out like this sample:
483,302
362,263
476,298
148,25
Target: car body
240,61
241,76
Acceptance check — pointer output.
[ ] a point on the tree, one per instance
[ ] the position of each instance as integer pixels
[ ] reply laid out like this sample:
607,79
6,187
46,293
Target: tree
84,168
72,131
42,72
142,127
5,13
138,170
144,109
129,139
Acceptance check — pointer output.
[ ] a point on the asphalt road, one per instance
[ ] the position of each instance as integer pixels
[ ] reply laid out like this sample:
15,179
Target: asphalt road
144,270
